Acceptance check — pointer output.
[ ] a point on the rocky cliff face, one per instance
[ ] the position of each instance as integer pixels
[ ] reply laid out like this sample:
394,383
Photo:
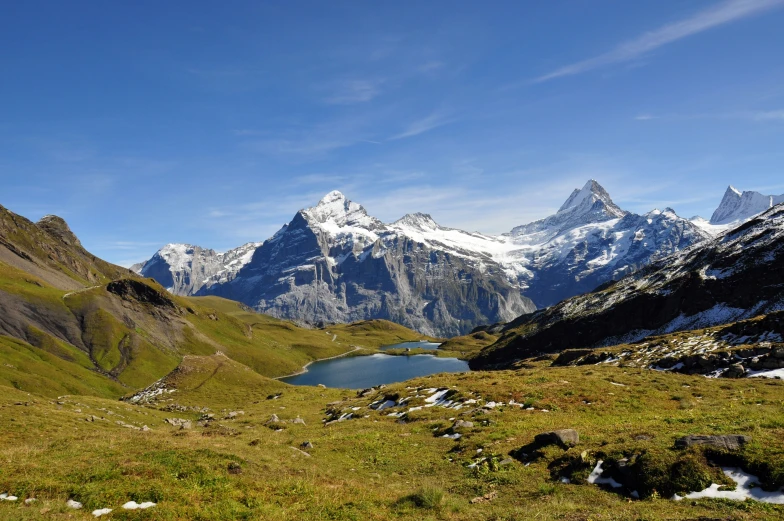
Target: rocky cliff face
335,263
184,269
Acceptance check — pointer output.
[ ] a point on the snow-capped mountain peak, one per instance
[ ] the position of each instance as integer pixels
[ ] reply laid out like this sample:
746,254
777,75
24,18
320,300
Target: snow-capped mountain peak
420,221
335,211
583,199
737,206
590,204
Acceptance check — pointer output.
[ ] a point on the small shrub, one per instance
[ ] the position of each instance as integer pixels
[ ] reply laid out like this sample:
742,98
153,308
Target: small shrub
428,497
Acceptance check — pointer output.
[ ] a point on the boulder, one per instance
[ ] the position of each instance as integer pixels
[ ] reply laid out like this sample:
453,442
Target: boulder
563,437
462,424
726,441
735,371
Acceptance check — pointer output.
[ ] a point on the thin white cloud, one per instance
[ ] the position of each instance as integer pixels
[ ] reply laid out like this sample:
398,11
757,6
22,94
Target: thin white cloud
725,12
349,92
645,117
420,126
771,115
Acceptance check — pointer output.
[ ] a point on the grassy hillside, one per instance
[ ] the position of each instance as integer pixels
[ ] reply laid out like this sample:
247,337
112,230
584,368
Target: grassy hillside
378,467
78,324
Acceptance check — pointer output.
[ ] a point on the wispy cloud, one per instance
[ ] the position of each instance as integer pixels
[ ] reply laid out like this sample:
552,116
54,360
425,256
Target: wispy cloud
725,12
771,115
761,116
420,126
349,92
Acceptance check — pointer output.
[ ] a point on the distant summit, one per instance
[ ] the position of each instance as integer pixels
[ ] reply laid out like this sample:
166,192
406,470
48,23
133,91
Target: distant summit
737,206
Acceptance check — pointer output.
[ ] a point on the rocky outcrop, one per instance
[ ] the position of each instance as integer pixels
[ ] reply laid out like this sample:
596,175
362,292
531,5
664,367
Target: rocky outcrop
730,442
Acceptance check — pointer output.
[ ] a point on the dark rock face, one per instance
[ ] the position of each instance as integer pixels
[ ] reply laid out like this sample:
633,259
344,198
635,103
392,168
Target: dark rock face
730,278
728,442
130,289
564,438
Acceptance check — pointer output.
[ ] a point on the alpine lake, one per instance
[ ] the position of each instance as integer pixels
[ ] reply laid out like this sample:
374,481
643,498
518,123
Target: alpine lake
360,372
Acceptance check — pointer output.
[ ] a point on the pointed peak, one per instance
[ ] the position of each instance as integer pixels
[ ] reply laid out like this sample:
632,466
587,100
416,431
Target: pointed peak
592,191
418,220
731,190
332,197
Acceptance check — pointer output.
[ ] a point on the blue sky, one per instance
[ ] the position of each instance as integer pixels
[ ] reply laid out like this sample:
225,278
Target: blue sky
143,123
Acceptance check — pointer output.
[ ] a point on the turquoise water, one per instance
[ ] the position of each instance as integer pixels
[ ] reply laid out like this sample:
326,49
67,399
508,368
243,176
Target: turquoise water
360,372
412,345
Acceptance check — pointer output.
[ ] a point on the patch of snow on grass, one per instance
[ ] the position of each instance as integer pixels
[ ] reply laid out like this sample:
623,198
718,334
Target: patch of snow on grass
133,505
596,479
745,489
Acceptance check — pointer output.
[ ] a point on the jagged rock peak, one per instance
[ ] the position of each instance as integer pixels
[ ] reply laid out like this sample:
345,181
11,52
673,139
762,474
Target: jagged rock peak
418,220
737,206
57,227
336,208
582,200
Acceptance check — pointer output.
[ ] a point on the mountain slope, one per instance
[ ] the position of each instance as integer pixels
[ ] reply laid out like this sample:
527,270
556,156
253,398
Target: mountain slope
732,277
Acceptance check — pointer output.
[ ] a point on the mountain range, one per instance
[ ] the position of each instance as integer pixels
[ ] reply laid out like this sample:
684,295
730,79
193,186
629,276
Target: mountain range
732,278
334,262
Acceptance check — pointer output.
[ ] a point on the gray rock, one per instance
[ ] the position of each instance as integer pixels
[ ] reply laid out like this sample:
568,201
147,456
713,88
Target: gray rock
298,421
735,371
563,437
462,424
306,445
726,441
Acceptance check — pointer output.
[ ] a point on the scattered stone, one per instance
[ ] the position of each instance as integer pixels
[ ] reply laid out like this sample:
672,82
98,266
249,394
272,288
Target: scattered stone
207,417
487,497
300,451
735,371
73,504
273,419
30,501
727,441
322,386
101,512
307,445
565,438
234,468
7,497
145,428
298,421
506,461
179,422
462,424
